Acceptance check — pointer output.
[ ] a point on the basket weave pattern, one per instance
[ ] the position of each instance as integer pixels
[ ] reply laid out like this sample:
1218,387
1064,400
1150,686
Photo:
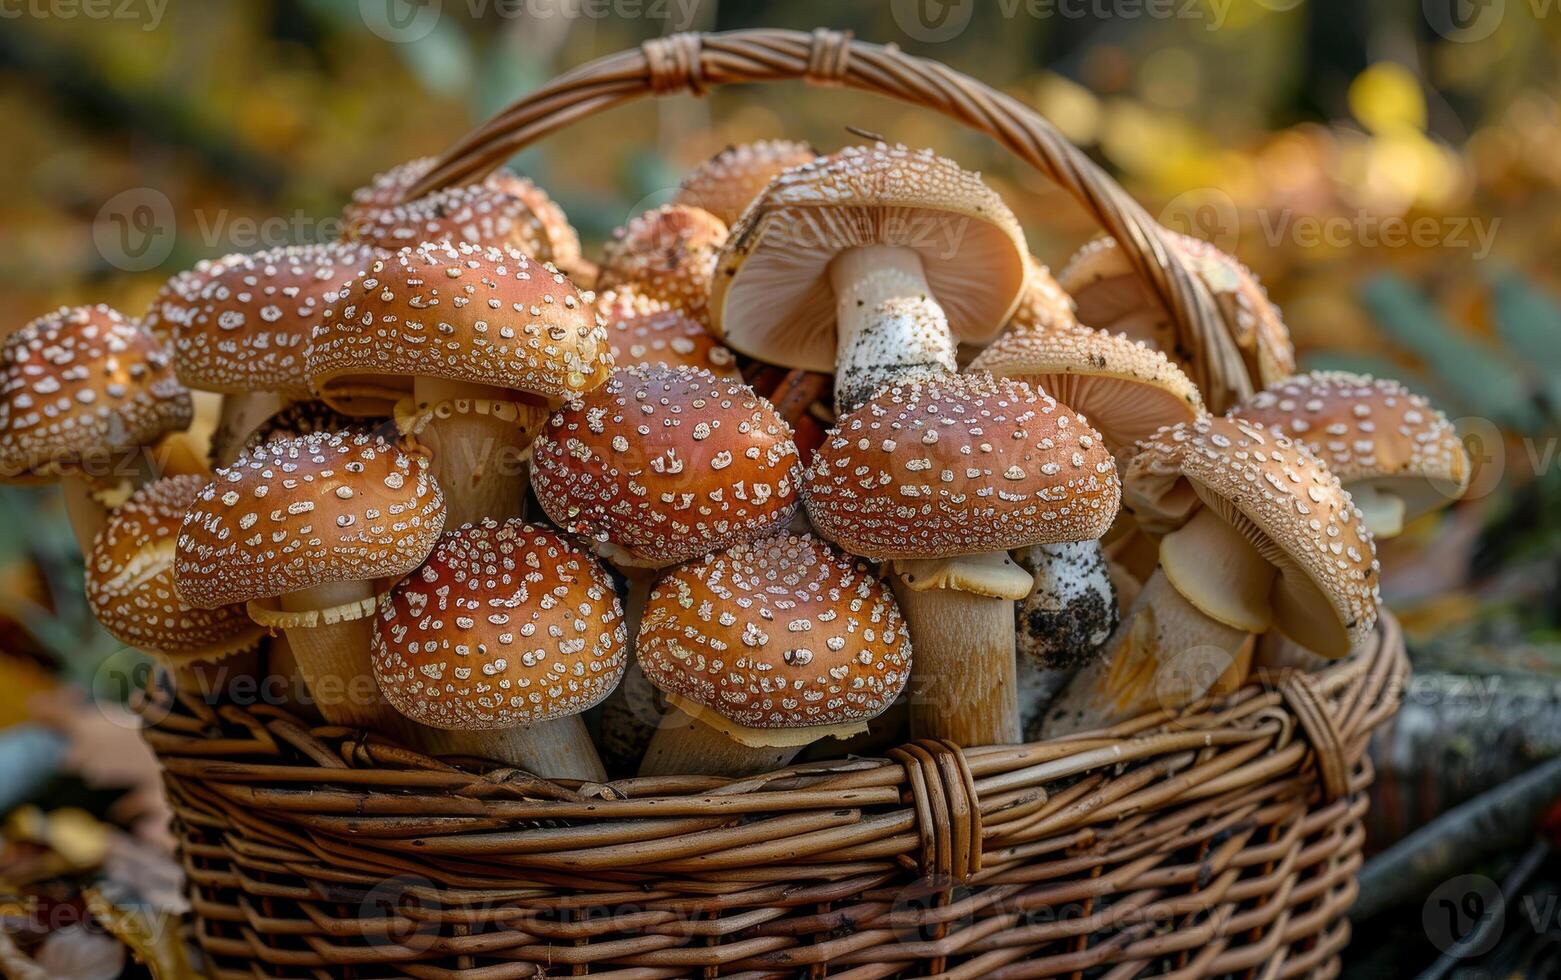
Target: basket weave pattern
1220,839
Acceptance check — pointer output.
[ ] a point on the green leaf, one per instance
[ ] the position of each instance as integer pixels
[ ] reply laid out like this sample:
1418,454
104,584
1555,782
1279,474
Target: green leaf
1529,320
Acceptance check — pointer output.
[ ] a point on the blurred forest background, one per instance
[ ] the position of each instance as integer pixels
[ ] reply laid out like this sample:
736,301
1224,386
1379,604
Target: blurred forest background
1392,172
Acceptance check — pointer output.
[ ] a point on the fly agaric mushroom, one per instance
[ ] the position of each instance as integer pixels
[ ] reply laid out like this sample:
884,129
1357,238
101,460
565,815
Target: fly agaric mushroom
83,391
130,583
1257,535
240,326
764,648
1127,391
306,532
873,264
305,418
477,343
498,643
1108,293
1397,455
728,182
645,330
945,477
667,254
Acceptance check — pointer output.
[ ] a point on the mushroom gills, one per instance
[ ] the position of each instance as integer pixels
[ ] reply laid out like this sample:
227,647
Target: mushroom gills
1071,610
479,439
889,328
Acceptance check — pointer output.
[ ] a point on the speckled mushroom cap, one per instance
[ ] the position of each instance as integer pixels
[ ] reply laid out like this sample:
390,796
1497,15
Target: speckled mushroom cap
484,315
242,323
1369,431
772,298
645,330
79,384
660,465
291,515
728,182
130,581
961,465
1108,293
1044,305
779,633
504,625
1285,502
308,417
1125,388
669,254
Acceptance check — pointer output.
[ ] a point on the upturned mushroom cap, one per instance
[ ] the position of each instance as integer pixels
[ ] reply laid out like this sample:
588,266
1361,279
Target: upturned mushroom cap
660,465
645,330
1372,432
242,324
1109,294
130,580
962,465
306,418
779,633
772,298
728,182
79,385
1125,388
319,509
1284,502
504,625
668,254
484,315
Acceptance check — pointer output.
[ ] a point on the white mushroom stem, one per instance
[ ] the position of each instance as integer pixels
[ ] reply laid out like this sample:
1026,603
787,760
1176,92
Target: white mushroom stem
556,749
1165,655
629,713
960,613
240,416
1383,511
478,437
1071,610
1038,688
888,325
330,633
684,745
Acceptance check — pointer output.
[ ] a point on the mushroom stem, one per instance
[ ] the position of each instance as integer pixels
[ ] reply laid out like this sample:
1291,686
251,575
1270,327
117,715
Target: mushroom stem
630,713
479,438
1383,511
888,325
330,634
963,675
213,680
284,684
684,745
87,515
1166,655
1071,610
1218,570
556,749
242,413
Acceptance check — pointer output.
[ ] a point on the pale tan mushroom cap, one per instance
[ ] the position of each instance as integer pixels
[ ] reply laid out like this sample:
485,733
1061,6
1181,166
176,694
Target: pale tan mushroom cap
1044,304
772,298
960,465
660,465
504,625
1280,497
243,323
645,330
783,632
669,254
1369,430
488,316
291,515
1125,388
78,385
728,182
130,582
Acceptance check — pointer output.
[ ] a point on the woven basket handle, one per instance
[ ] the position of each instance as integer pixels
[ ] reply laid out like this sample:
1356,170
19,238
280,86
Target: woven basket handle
695,62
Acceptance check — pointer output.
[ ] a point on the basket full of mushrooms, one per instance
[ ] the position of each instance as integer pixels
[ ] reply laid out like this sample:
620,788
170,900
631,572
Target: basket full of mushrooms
809,584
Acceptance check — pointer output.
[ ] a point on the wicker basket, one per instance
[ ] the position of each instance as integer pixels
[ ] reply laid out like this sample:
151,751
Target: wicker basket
1223,839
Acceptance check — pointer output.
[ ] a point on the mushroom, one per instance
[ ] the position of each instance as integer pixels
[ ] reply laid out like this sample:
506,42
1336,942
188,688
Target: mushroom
477,343
1396,454
1127,391
498,643
726,183
240,326
307,532
83,392
944,478
305,418
130,584
645,330
667,254
763,648
873,264
1257,535
1108,293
